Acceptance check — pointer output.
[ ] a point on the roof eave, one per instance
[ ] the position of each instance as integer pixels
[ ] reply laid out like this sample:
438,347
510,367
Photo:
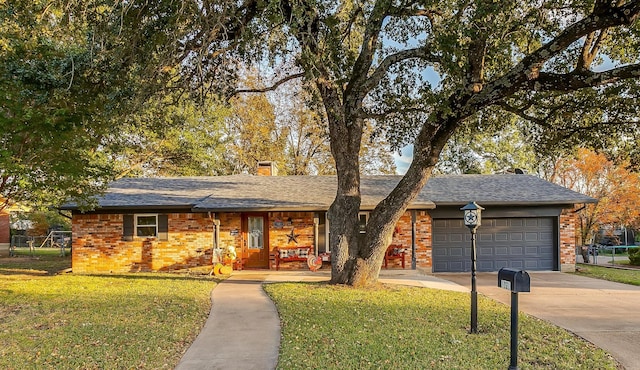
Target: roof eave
131,207
563,203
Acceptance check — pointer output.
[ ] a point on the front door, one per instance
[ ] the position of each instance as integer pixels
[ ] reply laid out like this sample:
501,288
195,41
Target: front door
256,244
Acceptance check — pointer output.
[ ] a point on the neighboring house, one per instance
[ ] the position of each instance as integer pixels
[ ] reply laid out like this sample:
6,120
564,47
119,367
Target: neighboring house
160,224
5,224
5,233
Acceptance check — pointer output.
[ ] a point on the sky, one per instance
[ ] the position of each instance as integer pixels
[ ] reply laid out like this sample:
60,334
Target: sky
404,160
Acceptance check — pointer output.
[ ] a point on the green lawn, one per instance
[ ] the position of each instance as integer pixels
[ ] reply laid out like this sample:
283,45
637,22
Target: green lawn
333,327
631,276
40,261
147,321
66,321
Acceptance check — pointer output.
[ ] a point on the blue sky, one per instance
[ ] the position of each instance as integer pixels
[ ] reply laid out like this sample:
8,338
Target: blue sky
403,161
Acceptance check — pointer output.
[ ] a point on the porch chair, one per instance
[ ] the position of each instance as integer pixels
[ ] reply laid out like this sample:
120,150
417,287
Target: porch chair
394,252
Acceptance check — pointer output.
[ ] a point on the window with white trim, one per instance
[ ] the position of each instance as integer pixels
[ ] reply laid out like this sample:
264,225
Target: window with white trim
146,225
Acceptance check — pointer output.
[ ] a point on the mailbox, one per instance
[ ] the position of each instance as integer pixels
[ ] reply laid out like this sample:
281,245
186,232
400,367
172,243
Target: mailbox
514,280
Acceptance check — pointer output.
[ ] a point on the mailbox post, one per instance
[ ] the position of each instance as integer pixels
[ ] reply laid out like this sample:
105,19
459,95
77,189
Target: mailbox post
516,281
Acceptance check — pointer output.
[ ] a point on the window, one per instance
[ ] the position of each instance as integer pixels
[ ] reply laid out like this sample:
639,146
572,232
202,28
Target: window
146,225
256,232
363,216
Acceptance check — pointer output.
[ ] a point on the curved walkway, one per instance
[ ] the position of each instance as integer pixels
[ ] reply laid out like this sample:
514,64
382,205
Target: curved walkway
242,331
243,328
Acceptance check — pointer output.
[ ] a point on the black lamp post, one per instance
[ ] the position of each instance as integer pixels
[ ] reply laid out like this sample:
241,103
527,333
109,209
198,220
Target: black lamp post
472,217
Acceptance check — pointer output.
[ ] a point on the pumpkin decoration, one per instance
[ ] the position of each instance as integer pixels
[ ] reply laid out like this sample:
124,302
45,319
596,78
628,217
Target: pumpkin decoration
216,268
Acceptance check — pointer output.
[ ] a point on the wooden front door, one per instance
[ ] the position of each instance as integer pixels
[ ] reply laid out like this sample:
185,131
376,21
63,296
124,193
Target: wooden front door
255,230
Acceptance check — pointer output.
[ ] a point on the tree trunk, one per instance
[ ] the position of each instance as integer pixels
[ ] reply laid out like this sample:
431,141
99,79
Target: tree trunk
345,133
379,230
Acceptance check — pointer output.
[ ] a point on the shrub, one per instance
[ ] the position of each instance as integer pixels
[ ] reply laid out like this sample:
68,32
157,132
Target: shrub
634,256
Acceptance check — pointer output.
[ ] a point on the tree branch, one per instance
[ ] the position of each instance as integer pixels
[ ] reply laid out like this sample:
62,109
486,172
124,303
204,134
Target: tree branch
406,12
347,30
582,79
521,113
272,87
528,70
389,60
590,49
367,50
386,113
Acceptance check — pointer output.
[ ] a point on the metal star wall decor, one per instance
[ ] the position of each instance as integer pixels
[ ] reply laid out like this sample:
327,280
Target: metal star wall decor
292,237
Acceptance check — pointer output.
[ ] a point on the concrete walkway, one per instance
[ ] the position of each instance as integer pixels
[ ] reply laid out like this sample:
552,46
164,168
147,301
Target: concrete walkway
243,329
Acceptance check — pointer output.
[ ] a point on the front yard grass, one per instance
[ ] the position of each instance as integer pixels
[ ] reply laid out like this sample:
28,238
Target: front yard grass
333,327
626,276
132,321
42,261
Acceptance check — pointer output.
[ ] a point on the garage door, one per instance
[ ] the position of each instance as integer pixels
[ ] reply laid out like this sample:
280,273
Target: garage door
522,243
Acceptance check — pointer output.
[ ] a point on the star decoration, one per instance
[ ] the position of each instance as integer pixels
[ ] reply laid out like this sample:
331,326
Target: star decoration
292,237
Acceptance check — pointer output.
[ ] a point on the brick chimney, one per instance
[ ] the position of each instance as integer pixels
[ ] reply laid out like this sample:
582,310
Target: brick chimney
267,168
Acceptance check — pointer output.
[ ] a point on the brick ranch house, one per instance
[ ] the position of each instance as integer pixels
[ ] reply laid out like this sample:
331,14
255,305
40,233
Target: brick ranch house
163,224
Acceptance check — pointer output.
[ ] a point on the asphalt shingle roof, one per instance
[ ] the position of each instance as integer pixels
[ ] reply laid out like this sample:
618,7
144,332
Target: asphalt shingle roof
506,189
282,193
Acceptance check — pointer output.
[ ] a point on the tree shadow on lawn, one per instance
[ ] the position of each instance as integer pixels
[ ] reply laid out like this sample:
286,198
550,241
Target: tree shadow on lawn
8,271
33,265
160,276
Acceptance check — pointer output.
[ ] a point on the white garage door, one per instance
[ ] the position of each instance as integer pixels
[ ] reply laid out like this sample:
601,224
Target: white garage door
522,243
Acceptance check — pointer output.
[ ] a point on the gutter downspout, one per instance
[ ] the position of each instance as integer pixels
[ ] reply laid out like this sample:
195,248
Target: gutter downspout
316,222
414,218
216,238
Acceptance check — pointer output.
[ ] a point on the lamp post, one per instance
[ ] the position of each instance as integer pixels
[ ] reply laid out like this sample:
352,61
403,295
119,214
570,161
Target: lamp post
472,219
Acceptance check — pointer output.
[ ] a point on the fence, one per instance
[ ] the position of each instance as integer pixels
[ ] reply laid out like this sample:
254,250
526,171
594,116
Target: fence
55,239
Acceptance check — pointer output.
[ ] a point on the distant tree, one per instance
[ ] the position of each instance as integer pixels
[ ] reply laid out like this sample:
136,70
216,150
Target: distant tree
307,148
171,136
375,153
613,185
505,149
253,133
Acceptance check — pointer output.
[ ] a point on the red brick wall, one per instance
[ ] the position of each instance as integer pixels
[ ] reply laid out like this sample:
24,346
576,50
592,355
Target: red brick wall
98,245
4,227
230,231
402,236
302,225
567,241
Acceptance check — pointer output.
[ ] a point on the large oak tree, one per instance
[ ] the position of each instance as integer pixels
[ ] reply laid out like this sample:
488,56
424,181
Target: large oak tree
420,70
562,66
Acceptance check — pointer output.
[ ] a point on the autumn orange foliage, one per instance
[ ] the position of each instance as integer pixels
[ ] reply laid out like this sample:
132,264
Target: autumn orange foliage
616,188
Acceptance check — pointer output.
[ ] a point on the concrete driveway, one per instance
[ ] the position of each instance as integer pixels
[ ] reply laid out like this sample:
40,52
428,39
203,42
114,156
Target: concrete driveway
604,313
